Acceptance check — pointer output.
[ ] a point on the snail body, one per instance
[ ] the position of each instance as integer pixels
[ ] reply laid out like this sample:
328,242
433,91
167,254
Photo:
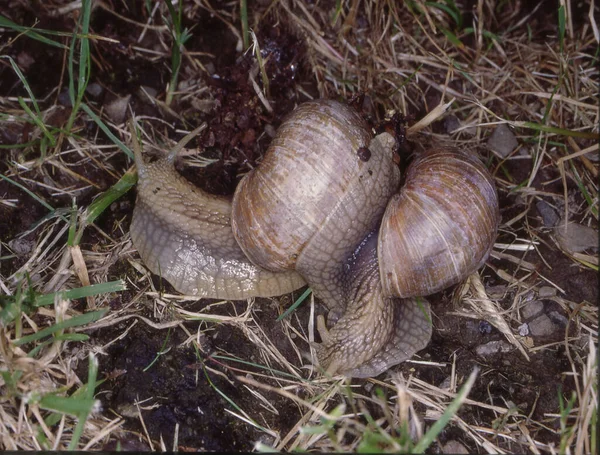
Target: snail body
313,211
184,235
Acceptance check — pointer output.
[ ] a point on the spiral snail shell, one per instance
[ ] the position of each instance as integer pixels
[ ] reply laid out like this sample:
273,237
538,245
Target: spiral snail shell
323,206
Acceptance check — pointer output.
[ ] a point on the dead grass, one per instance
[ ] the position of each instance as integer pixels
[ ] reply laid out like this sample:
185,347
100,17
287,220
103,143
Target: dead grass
416,61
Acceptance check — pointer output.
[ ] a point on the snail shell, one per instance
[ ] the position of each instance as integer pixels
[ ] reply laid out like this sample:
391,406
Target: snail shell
441,227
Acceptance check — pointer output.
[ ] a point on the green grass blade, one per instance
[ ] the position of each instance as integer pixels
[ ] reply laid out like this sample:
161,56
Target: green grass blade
450,411
82,292
82,319
38,121
453,13
30,193
28,32
453,38
295,305
76,93
88,398
561,27
558,131
64,337
106,130
231,402
23,80
244,19
125,183
66,405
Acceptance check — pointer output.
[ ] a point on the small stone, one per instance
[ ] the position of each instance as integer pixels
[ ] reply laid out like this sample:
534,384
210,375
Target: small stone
21,247
524,330
502,141
485,327
25,60
576,237
116,110
546,291
210,68
445,385
558,319
549,215
453,446
270,130
493,347
148,91
542,326
94,90
451,124
532,309
496,292
64,98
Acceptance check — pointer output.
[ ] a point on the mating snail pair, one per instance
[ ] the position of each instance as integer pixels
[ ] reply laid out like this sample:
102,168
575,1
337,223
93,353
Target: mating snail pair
318,211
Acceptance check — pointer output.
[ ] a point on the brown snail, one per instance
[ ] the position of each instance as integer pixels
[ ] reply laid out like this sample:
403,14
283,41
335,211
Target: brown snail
320,207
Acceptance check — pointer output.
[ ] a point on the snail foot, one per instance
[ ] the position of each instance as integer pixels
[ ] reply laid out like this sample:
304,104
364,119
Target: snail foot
412,318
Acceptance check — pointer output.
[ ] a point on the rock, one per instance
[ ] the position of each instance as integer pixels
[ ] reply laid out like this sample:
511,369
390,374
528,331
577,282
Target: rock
546,291
558,319
451,124
94,89
25,60
485,327
549,215
493,347
116,110
576,237
445,385
524,330
21,247
502,141
532,309
146,90
542,326
453,446
496,292
64,98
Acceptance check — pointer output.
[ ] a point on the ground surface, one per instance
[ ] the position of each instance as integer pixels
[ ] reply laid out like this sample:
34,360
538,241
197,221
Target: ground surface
175,368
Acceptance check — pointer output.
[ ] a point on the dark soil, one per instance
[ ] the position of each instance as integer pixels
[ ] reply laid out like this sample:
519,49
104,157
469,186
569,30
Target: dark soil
177,388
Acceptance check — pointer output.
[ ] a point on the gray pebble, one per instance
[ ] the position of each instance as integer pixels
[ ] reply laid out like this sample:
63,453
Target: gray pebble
542,326
549,215
451,124
21,247
546,291
94,89
453,446
532,309
64,98
116,110
558,318
493,347
576,237
445,385
502,141
524,330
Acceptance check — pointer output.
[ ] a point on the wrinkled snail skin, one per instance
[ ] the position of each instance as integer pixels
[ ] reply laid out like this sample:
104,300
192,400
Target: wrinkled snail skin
184,235
375,332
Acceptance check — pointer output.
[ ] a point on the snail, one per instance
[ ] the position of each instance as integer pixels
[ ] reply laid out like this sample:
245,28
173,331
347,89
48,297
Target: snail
323,207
